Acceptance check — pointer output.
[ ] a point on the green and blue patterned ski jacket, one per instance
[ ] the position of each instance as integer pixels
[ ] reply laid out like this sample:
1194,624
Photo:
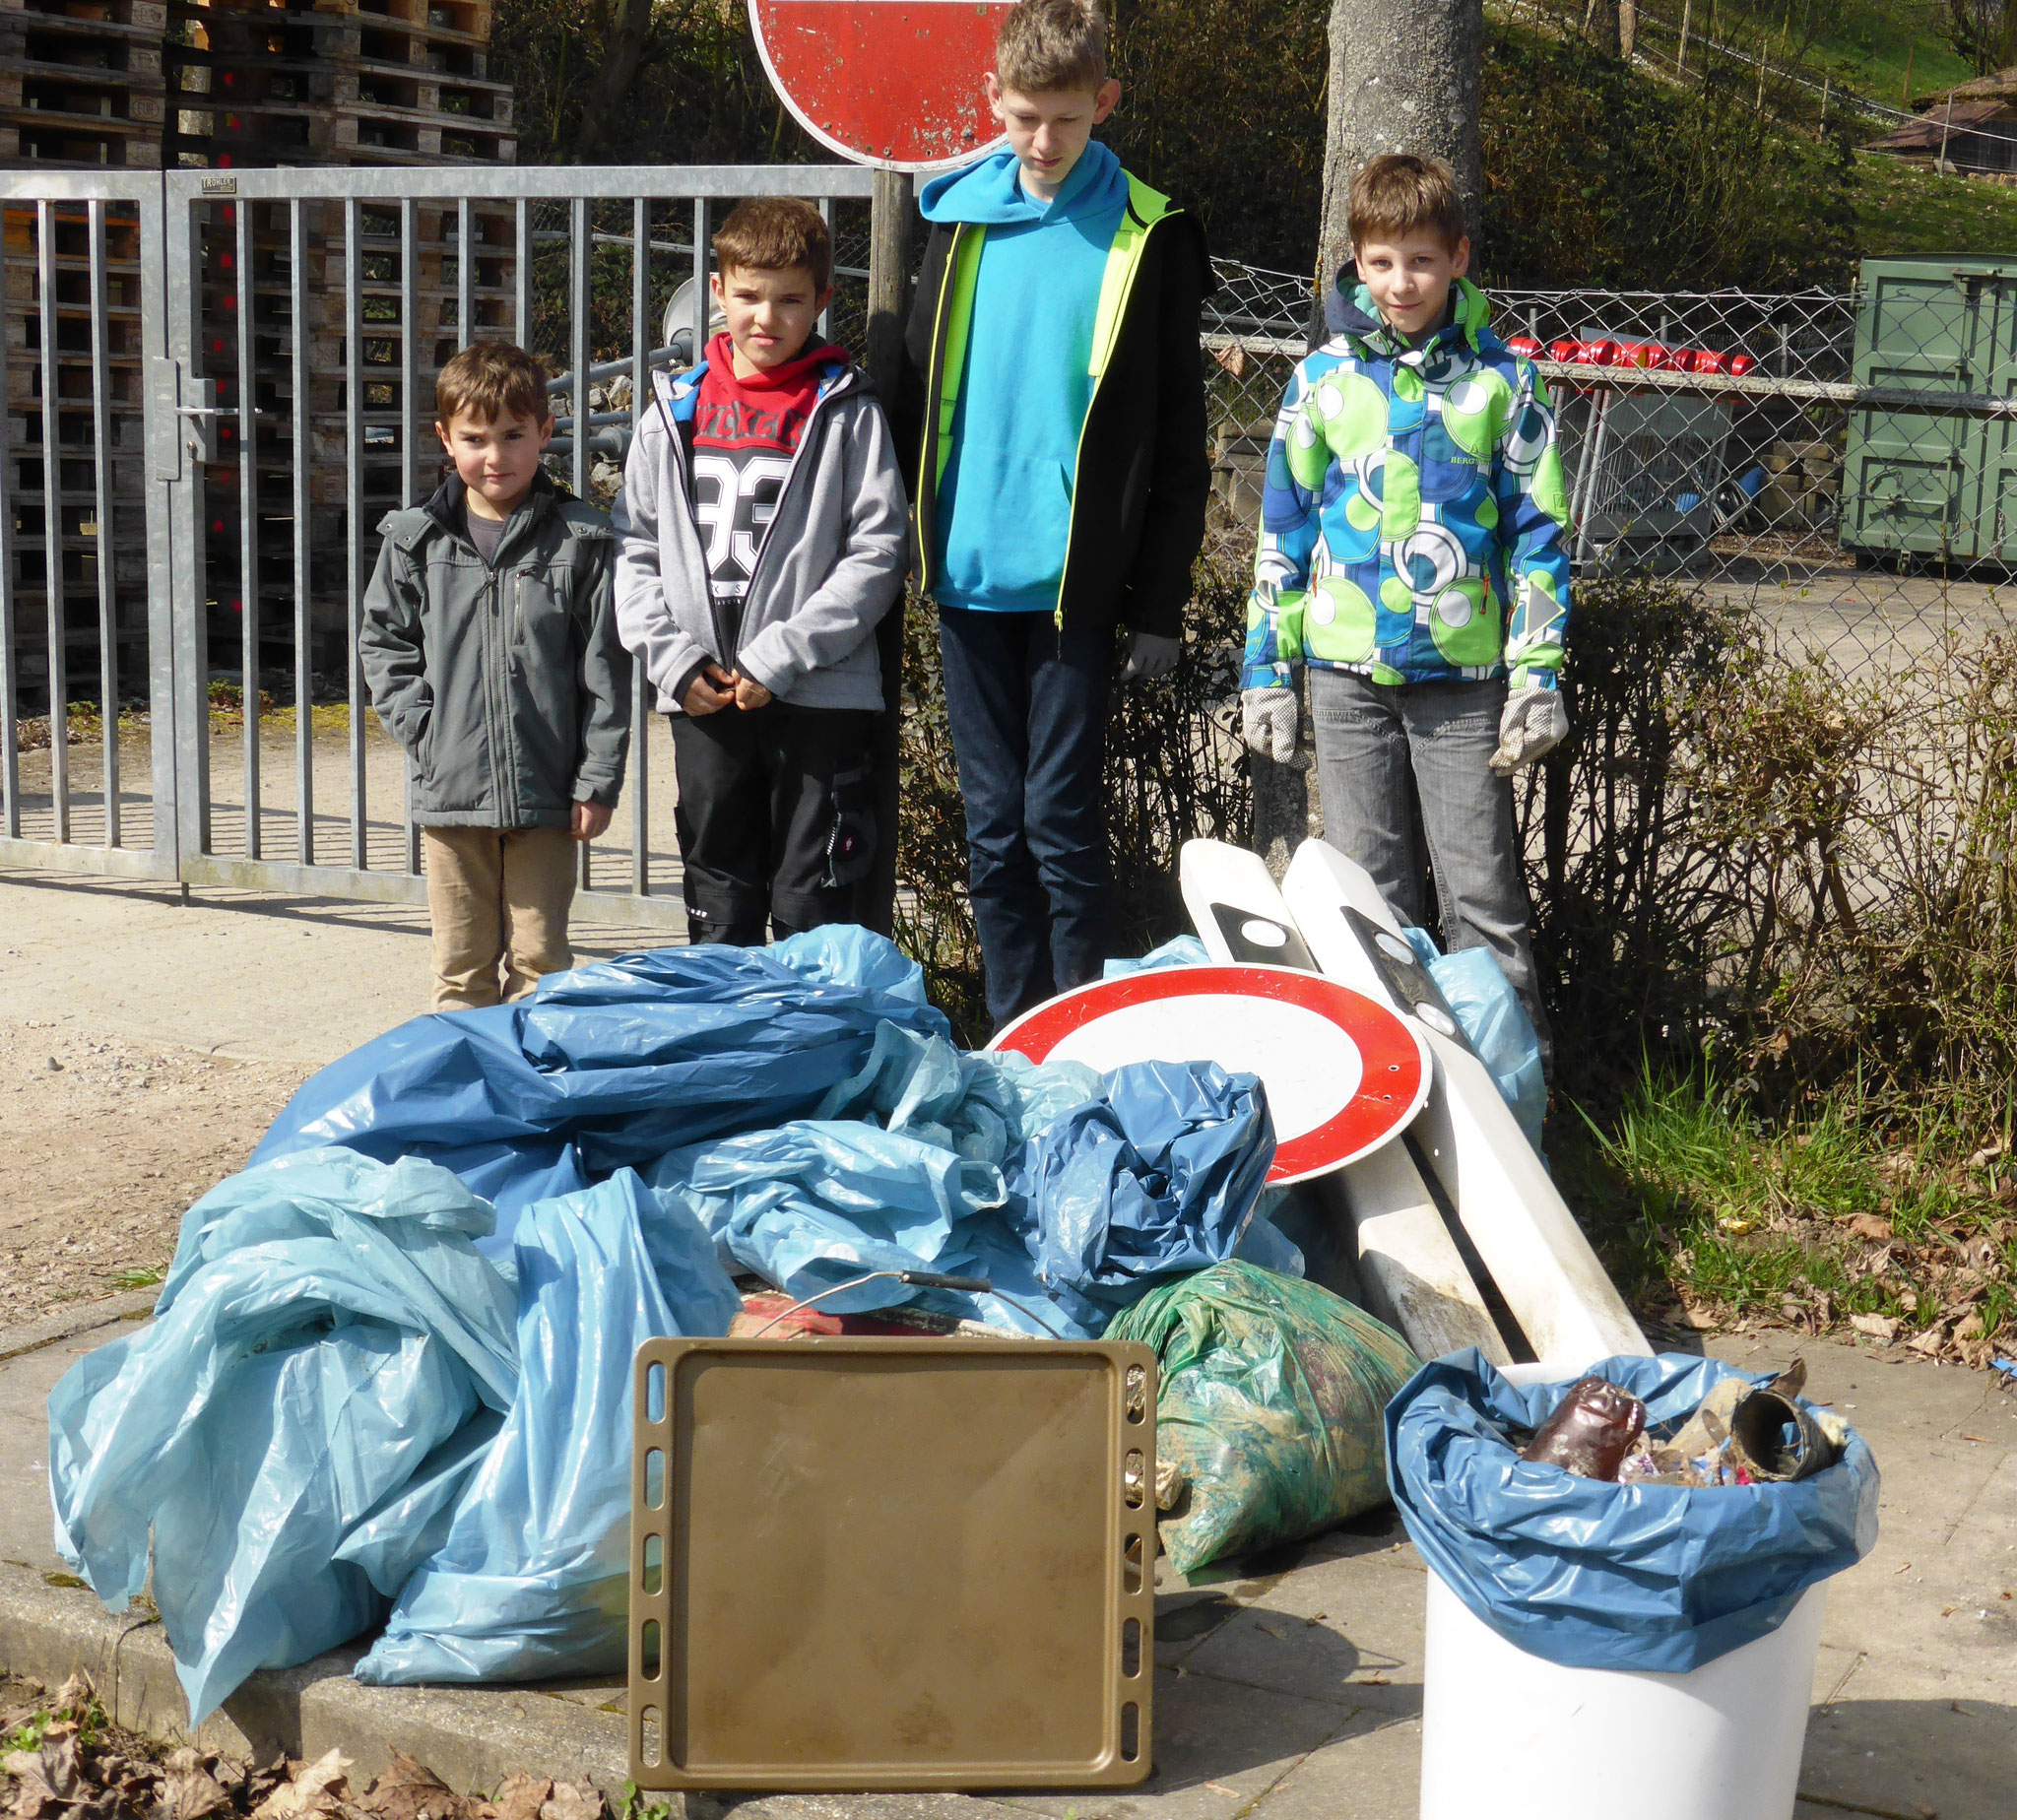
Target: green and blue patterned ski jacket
1415,518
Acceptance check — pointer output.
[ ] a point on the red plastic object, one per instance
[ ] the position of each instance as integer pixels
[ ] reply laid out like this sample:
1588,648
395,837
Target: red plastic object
1523,345
1741,365
1565,351
1708,363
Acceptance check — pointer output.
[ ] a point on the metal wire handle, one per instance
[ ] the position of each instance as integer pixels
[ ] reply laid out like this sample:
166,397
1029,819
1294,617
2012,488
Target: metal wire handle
920,1279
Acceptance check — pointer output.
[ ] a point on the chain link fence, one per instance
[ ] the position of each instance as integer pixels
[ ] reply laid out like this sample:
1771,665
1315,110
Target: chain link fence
1841,466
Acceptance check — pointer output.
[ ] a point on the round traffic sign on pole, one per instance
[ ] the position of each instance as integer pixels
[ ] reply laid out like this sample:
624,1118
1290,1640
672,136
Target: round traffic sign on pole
895,83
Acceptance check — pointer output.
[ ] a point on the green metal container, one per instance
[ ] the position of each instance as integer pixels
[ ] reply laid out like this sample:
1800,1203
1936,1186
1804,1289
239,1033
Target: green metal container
1914,483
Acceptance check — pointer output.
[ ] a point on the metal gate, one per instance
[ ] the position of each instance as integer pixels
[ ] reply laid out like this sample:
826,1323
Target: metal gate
216,383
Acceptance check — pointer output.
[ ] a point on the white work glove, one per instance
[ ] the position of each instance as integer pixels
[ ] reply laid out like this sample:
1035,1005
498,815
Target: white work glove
1535,722
1267,722
1150,655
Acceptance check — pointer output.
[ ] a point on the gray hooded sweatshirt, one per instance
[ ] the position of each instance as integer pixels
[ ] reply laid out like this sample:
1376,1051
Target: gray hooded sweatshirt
830,563
504,680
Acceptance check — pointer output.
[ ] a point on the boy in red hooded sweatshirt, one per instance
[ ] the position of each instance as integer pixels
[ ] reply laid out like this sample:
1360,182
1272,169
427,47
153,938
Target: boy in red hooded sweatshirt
764,534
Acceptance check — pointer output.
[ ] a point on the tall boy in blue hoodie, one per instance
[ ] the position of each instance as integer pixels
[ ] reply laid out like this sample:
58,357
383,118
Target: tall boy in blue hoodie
1052,414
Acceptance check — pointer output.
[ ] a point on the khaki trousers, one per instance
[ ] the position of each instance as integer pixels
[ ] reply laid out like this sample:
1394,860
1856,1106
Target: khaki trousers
496,896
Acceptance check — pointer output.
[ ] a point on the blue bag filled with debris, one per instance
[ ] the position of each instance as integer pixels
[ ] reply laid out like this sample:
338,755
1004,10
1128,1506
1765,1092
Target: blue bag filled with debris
1495,1024
613,1064
328,1359
1590,1574
1073,1194
532,1579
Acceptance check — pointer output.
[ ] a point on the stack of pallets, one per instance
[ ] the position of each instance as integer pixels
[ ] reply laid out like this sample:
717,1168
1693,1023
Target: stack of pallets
237,84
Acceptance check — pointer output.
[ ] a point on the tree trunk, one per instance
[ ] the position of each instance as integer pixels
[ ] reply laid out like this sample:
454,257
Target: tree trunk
1403,78
1628,28
623,52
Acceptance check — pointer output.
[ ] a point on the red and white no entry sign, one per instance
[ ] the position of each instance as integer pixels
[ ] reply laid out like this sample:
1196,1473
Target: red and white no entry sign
884,82
1343,1074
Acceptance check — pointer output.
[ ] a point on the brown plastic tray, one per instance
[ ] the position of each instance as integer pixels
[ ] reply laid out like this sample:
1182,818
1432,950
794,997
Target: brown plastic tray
891,1564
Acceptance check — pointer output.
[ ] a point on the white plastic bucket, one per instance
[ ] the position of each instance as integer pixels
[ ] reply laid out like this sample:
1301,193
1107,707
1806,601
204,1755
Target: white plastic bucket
1512,1736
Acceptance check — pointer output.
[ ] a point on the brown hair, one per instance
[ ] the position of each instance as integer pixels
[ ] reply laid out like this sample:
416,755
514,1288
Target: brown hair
773,233
1399,194
1047,45
489,381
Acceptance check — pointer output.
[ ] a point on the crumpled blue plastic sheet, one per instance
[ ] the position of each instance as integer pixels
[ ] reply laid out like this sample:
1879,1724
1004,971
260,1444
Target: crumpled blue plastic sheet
1592,1575
1496,1025
532,1577
1064,1189
615,1063
1177,951
1156,1178
325,1362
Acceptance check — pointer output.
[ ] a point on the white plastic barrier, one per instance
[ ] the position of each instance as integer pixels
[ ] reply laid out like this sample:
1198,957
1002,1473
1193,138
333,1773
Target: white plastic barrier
1509,1734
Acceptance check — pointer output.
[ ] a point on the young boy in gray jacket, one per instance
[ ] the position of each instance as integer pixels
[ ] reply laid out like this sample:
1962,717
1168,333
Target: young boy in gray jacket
764,534
489,647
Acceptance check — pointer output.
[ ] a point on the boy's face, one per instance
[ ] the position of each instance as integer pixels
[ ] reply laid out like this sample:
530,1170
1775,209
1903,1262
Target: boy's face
1410,278
498,460
1048,130
770,311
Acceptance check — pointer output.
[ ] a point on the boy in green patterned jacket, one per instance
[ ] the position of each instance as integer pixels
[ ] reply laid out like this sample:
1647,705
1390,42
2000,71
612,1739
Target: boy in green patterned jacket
1413,559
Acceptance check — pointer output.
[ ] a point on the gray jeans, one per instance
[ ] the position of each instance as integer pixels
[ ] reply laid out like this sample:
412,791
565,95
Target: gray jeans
1370,735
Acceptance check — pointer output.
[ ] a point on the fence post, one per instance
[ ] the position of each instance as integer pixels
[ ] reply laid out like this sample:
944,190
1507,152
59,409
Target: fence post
889,257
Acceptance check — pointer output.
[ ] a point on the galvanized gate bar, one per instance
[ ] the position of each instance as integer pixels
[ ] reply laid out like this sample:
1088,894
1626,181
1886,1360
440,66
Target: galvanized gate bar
10,680
53,600
304,673
353,517
106,556
641,338
248,516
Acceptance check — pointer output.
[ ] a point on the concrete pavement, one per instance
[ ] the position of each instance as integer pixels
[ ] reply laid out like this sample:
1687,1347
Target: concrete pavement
1288,1686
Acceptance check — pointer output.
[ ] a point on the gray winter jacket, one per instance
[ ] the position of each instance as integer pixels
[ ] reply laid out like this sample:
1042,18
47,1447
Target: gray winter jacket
830,565
506,682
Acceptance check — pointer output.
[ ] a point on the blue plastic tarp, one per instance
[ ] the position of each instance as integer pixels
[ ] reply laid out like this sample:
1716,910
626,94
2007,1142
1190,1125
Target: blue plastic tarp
1592,1575
614,1064
1156,1178
1496,1026
532,1579
326,1341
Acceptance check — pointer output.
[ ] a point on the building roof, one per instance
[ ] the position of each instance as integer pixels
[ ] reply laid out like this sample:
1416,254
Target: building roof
1925,133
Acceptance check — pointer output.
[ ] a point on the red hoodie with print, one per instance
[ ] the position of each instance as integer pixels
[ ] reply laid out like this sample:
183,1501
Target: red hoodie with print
744,434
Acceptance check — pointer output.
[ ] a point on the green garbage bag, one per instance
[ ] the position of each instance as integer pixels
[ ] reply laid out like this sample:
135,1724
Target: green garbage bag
1271,1409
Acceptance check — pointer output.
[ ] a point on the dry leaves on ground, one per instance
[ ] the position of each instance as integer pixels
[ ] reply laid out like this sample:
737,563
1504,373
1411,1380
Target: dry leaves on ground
81,1769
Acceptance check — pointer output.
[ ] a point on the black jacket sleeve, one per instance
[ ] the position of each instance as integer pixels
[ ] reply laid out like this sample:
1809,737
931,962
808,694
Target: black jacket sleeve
914,376
1180,476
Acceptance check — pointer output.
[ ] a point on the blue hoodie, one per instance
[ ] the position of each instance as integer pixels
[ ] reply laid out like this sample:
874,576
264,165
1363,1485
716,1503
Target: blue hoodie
1005,498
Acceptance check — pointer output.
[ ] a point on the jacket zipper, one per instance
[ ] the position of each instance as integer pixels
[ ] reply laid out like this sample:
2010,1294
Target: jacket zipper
1093,405
819,404
679,447
935,377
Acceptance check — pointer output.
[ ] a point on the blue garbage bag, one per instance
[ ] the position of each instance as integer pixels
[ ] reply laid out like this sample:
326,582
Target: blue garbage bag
1177,951
326,1341
621,1060
1065,1190
1495,1022
532,1579
1592,1575
1156,1178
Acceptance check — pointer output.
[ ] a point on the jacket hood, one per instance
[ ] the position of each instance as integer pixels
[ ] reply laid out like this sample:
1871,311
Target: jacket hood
1349,310
678,391
989,194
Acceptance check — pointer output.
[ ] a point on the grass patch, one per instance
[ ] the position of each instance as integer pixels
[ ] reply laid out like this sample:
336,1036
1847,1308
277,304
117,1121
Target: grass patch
141,1277
1708,1215
1902,210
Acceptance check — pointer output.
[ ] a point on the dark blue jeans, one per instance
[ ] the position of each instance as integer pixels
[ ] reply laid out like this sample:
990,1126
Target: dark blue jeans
1028,709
